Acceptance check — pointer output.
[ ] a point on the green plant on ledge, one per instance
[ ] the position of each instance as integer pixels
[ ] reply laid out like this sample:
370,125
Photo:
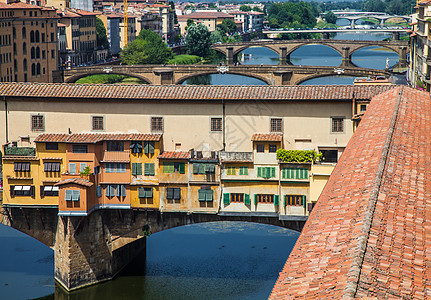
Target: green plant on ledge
298,155
86,172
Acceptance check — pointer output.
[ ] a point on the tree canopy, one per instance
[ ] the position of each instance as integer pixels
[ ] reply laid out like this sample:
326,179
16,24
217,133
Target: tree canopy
148,48
227,26
330,17
392,7
101,38
291,15
198,40
244,8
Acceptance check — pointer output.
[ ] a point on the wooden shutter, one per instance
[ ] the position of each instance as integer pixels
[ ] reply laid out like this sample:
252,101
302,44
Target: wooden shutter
146,169
146,148
151,147
152,169
117,190
177,193
123,190
201,195
259,172
68,195
149,192
209,195
107,191
134,168
169,193
138,169
247,199
255,199
72,168
111,190
276,200
42,191
82,167
272,172
182,168
226,198
195,168
304,202
75,195
141,192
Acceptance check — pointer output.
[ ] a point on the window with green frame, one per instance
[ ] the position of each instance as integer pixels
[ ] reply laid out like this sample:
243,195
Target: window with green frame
149,147
201,168
136,169
243,170
205,195
295,200
266,198
173,167
149,169
230,170
236,198
145,192
266,172
294,173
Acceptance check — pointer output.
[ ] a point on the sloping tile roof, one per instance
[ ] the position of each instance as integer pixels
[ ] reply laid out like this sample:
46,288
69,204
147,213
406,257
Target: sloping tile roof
175,155
116,156
105,92
370,233
267,137
80,181
97,137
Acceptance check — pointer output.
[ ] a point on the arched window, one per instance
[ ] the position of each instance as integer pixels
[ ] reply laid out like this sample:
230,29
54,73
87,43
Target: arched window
38,69
37,36
24,48
37,52
24,64
33,53
32,36
24,33
33,69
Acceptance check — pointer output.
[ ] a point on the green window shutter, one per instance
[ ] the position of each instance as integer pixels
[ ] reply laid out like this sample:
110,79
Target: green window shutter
201,194
146,169
141,192
171,167
304,203
283,173
209,195
151,147
201,168
138,169
284,200
260,172
246,199
168,167
276,200
146,147
226,198
255,199
305,173
133,168
152,169
182,168
149,192
273,172
195,168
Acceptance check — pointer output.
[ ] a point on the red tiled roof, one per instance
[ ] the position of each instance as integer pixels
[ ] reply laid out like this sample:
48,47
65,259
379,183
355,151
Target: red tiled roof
370,233
80,181
175,155
189,92
97,137
18,5
116,156
267,137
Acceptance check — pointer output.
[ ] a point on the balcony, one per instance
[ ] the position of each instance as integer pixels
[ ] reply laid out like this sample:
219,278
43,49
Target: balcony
236,156
19,151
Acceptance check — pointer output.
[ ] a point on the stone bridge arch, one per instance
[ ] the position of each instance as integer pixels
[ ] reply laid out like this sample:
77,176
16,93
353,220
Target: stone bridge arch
234,72
263,45
310,43
76,77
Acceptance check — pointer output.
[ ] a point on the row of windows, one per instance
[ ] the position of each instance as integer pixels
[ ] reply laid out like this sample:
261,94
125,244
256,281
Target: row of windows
5,40
216,123
243,170
289,200
5,58
149,169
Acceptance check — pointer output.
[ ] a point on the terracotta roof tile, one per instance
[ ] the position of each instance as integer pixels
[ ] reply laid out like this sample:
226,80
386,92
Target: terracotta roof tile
13,157
68,91
116,156
97,137
175,155
369,234
80,181
267,137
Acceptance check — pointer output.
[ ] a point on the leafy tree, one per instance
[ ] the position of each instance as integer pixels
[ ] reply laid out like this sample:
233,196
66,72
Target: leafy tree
244,8
216,36
189,22
198,40
101,38
257,9
374,5
172,4
227,26
330,17
291,15
148,48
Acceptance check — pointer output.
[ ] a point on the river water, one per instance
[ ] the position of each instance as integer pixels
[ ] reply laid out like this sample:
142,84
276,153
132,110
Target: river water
309,55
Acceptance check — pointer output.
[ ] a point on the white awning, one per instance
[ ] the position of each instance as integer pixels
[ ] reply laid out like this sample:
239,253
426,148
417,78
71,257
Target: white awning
26,188
55,189
47,188
18,188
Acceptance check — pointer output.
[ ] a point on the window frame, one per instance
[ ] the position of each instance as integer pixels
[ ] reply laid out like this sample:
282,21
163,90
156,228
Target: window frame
95,120
271,147
51,144
335,127
76,150
216,124
276,125
258,148
40,124
155,126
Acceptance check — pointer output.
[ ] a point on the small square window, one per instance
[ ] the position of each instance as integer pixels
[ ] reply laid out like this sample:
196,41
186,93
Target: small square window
37,123
272,148
78,148
363,107
97,123
260,148
337,124
157,124
276,125
51,146
216,124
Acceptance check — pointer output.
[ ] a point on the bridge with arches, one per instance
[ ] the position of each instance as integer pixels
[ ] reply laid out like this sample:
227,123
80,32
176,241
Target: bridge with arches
284,48
381,17
271,75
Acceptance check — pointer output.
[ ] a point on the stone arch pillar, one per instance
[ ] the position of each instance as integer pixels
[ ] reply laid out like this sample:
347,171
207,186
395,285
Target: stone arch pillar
395,36
229,56
345,56
283,56
403,56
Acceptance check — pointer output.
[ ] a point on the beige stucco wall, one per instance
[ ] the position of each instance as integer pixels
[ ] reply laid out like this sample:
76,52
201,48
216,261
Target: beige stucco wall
187,124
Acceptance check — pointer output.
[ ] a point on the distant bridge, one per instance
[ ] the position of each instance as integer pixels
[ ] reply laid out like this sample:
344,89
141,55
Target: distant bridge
284,48
354,16
272,75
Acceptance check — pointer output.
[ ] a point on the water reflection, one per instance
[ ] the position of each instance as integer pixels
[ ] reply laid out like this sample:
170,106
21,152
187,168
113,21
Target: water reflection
223,79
